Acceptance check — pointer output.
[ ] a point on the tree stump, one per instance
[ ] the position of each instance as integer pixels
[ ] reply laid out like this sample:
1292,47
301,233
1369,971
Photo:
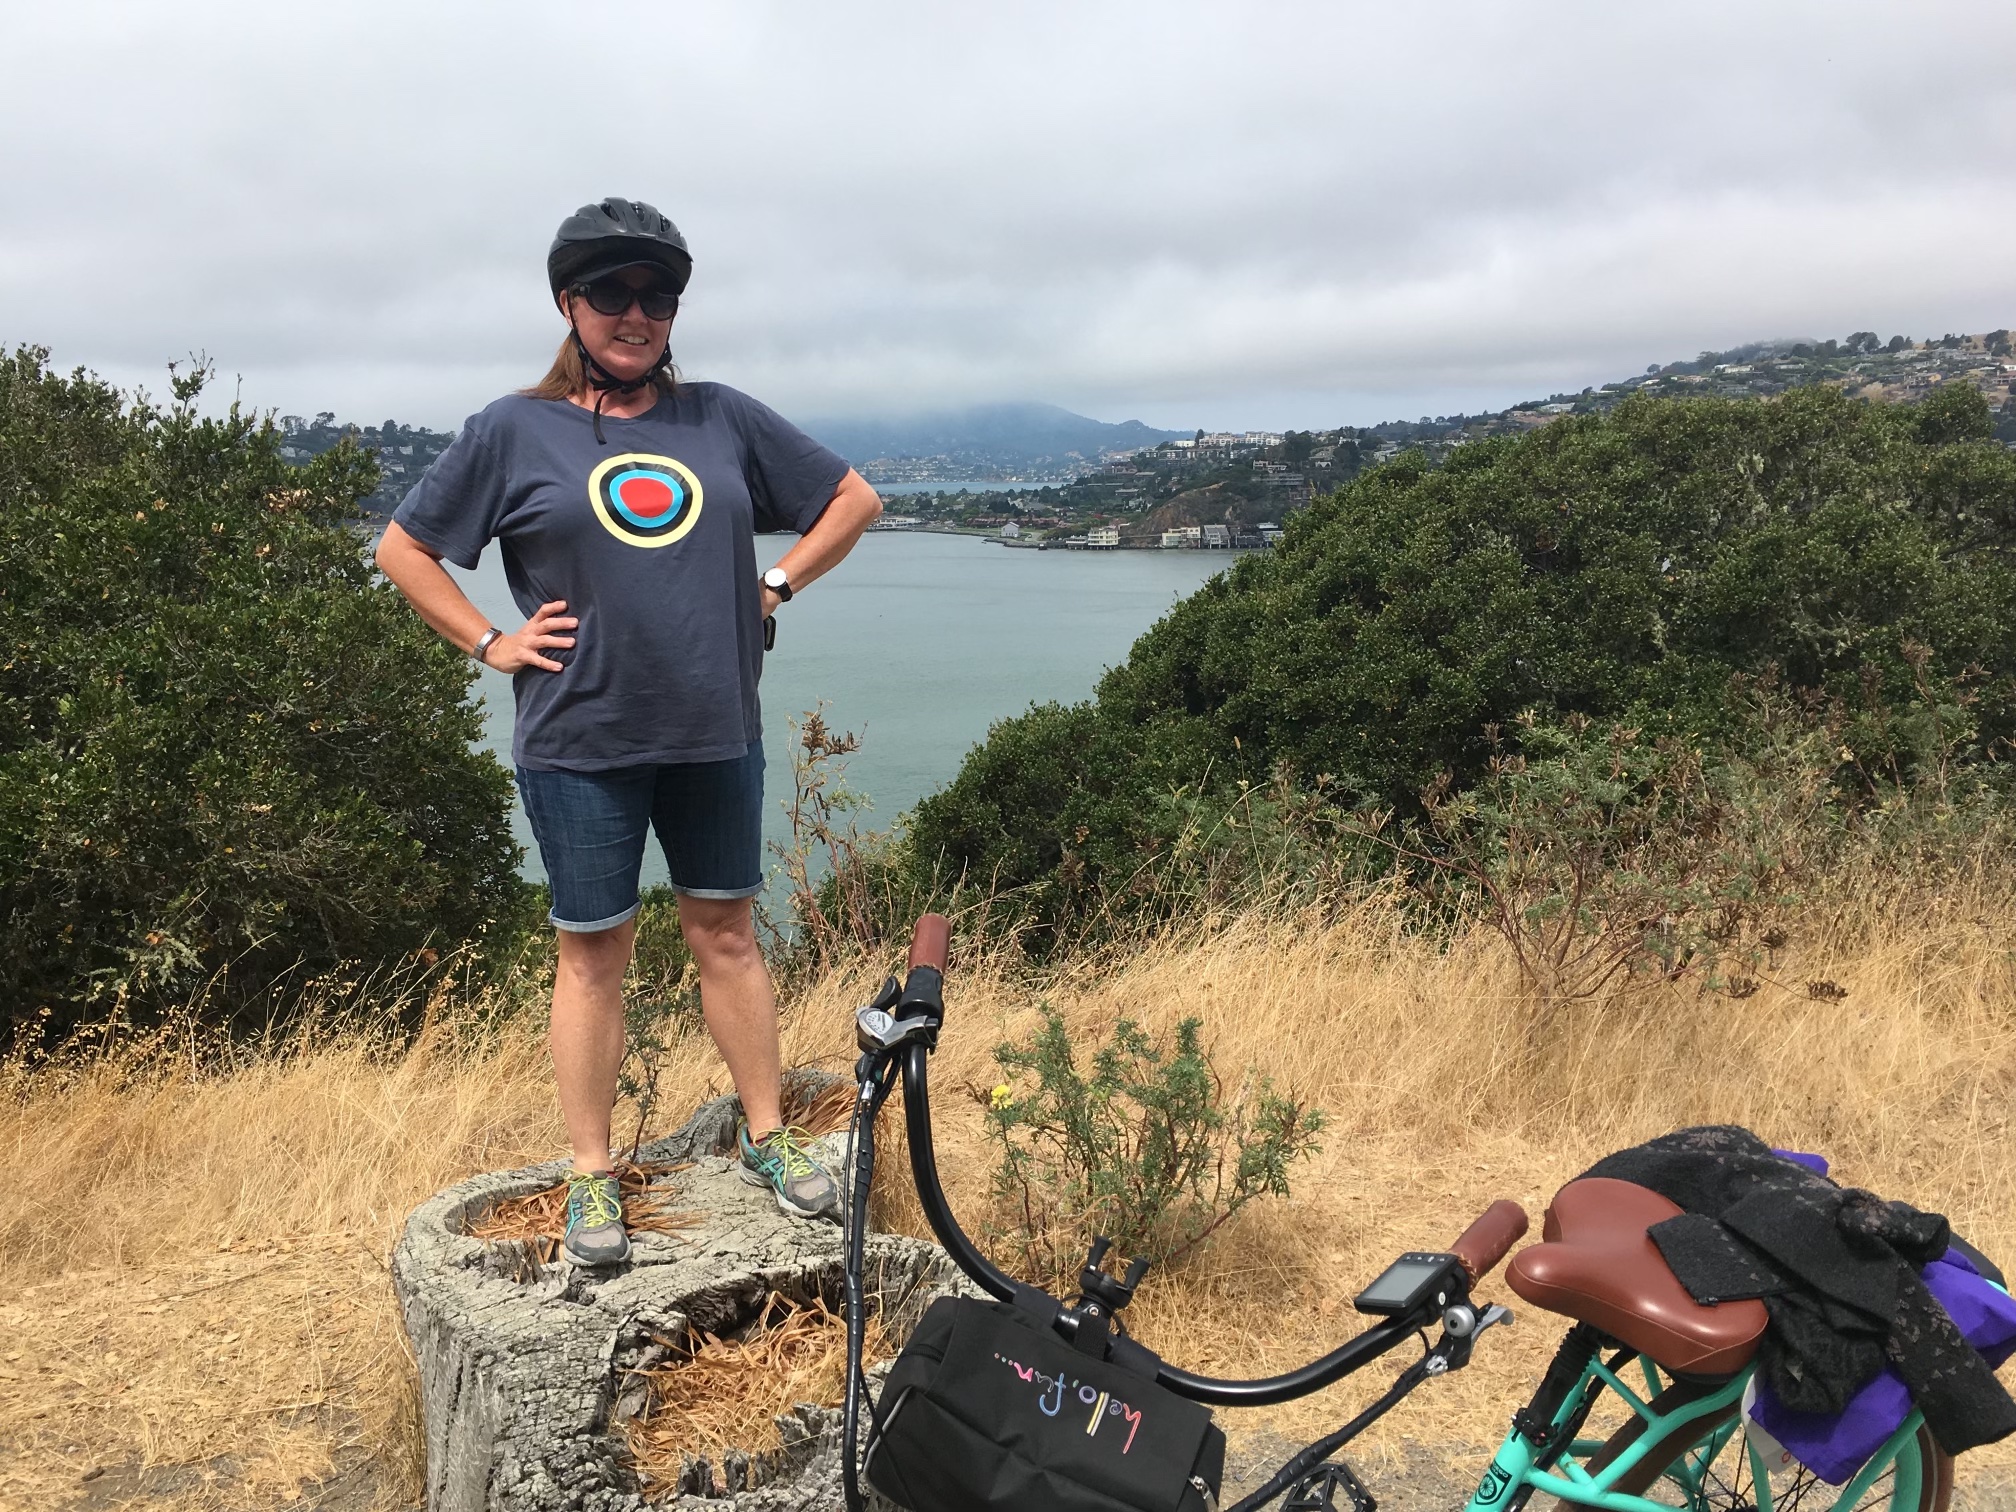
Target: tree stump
526,1369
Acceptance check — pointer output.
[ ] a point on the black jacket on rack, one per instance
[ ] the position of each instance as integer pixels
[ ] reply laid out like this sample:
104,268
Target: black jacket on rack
1837,1269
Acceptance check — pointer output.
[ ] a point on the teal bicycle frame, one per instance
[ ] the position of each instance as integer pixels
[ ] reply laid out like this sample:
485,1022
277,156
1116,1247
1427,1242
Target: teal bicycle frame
1516,1463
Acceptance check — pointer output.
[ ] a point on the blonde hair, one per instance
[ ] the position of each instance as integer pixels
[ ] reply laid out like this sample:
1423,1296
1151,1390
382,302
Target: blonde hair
568,376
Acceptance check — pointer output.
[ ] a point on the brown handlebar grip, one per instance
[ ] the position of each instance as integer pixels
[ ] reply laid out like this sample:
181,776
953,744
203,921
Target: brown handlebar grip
931,941
1484,1243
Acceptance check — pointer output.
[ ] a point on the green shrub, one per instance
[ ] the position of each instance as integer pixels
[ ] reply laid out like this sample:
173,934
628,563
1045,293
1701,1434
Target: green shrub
1606,855
1148,1149
1618,568
1060,834
230,757
1603,855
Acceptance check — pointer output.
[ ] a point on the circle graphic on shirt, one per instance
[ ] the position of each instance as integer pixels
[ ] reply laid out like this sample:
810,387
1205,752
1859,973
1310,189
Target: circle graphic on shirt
644,500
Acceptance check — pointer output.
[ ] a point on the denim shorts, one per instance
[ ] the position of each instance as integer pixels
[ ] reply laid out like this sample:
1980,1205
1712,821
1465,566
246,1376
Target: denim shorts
590,828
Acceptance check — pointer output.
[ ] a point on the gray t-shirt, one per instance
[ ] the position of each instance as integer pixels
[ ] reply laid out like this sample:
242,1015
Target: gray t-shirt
649,537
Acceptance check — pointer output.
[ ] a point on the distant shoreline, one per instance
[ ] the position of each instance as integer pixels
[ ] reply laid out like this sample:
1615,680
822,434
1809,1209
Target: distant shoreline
1094,550
959,486
994,537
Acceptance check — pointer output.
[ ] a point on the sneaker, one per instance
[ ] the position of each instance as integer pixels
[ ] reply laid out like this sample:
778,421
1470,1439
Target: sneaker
595,1219
779,1160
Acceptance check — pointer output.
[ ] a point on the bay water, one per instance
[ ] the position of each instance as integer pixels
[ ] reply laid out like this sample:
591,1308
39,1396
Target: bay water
917,643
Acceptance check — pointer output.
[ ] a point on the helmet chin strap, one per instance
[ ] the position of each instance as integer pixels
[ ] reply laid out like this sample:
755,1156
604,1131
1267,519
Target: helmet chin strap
605,382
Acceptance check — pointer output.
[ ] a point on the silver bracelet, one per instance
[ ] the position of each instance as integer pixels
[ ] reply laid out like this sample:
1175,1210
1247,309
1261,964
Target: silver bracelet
483,643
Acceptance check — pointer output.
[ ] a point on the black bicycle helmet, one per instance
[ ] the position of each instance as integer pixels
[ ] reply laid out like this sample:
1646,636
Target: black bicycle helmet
598,239
617,233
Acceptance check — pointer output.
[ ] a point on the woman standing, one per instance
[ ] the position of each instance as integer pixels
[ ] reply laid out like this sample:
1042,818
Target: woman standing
626,504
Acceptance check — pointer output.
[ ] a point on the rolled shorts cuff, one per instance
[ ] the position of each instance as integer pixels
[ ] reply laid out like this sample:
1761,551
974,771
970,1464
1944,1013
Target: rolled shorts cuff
719,893
568,926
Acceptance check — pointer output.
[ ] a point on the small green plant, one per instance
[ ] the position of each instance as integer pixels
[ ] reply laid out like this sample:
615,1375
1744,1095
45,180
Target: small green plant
1148,1149
660,964
822,863
651,1026
661,1000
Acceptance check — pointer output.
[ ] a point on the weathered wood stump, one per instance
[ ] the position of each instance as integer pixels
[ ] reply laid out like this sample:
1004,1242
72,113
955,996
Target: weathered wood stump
523,1366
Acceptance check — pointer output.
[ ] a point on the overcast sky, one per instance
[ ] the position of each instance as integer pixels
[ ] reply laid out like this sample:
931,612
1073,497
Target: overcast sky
1225,215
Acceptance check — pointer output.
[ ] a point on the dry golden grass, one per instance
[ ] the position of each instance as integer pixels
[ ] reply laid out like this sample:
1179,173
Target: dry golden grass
138,1211
716,1394
197,1260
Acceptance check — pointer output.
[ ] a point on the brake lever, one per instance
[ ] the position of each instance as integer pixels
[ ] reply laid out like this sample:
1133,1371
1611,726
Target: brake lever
879,1034
876,1028
1461,1324
1463,1321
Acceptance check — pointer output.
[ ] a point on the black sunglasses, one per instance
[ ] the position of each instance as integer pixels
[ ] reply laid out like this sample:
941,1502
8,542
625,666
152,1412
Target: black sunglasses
612,296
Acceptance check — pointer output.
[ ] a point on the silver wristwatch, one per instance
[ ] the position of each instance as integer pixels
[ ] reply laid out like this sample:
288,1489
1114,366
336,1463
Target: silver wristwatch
779,584
483,643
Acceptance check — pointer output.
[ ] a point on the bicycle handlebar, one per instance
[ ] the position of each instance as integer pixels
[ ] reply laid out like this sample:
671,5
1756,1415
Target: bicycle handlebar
966,1255
1482,1245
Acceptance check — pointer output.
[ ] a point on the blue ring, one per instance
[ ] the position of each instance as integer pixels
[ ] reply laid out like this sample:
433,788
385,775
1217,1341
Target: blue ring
671,517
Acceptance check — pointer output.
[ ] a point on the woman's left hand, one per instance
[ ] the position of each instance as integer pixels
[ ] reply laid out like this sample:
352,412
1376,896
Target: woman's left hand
851,510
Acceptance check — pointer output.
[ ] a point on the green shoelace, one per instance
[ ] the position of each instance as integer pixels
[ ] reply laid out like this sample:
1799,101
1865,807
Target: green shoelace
593,1200
786,1144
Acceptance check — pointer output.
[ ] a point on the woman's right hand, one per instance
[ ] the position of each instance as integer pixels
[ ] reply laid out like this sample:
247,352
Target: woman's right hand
510,653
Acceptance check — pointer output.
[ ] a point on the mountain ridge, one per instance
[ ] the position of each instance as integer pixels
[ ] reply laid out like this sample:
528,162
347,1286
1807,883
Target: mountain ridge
1019,440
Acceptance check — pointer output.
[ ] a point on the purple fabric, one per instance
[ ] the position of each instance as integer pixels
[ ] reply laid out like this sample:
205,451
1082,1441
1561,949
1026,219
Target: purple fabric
1834,1448
1817,1164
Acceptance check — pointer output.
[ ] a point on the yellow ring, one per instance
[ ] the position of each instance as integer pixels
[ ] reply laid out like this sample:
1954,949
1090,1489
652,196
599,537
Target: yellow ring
685,475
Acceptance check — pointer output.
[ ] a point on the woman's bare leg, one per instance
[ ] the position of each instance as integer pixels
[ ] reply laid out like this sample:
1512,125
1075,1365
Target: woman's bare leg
586,1038
737,1001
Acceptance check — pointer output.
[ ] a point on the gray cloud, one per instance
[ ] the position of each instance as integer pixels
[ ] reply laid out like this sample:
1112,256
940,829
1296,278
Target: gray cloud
1285,214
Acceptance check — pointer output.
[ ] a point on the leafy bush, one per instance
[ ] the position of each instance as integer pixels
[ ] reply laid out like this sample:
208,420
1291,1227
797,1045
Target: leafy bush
1601,854
1605,855
228,754
1618,568
1147,1150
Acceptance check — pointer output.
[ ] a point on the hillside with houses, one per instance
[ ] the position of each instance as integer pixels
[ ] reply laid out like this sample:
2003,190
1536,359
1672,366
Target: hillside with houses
1230,489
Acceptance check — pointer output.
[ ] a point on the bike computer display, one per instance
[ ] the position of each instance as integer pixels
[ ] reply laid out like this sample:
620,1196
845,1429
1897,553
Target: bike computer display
1406,1284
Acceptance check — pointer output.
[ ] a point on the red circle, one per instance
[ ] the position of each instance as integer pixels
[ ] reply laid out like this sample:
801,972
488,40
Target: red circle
646,498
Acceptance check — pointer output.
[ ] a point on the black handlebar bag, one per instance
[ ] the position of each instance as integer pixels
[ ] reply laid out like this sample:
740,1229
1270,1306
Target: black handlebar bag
988,1410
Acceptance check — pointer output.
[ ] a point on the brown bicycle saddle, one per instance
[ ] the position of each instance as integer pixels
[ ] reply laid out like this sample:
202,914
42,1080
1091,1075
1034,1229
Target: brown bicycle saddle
1596,1264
